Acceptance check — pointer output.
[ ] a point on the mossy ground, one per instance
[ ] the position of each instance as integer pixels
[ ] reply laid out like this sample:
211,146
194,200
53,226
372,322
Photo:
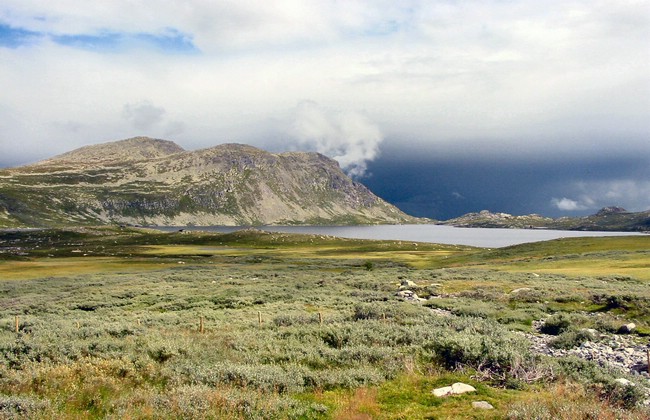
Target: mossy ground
299,326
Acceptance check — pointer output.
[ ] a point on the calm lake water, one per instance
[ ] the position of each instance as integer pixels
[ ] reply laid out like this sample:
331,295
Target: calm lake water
486,238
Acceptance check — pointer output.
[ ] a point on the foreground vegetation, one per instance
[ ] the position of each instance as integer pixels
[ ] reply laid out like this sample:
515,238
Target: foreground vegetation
130,323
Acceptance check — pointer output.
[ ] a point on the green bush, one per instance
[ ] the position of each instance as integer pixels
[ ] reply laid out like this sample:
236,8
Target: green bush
600,380
556,324
487,347
571,338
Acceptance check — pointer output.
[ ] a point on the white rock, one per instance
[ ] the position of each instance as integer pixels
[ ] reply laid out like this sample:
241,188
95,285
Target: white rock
483,405
461,388
442,392
455,389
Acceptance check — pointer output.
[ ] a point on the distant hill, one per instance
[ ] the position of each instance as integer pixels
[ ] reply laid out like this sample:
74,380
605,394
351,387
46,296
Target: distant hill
607,219
144,181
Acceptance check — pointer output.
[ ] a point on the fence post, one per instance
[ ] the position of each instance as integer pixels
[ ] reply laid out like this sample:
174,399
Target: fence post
320,318
17,324
259,317
201,324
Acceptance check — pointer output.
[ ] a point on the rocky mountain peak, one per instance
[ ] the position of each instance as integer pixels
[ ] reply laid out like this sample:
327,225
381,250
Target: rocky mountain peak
128,150
610,210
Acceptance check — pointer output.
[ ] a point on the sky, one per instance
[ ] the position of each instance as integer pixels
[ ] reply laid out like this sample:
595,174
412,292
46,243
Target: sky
440,107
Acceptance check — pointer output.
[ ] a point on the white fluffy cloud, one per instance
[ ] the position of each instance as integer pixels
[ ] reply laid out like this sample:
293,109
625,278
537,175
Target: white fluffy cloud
633,194
349,137
567,204
527,77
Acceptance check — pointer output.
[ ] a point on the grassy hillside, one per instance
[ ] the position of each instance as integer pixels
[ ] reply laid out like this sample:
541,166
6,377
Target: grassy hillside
133,323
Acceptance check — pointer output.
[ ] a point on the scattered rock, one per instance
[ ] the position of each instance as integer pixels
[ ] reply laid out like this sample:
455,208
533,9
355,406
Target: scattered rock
455,389
409,295
625,352
483,405
521,289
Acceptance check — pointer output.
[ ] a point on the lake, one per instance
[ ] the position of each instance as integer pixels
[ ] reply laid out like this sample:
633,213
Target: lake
480,237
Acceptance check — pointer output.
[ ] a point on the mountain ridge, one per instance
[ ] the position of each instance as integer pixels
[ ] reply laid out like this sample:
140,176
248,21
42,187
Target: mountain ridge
148,181
606,219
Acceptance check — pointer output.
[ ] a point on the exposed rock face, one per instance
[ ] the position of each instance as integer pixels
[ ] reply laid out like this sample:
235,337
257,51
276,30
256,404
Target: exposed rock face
155,182
610,210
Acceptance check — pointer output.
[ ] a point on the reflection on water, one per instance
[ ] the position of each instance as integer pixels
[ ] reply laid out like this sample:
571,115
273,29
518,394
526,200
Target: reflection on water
481,237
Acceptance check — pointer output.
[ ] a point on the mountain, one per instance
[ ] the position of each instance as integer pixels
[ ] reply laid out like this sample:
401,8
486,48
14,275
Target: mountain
487,219
148,181
607,219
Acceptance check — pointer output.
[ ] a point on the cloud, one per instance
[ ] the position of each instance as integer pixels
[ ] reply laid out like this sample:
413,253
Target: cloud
346,136
486,80
567,204
632,194
143,115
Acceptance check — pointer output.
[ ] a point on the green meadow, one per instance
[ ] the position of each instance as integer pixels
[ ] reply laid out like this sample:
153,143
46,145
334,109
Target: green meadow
132,323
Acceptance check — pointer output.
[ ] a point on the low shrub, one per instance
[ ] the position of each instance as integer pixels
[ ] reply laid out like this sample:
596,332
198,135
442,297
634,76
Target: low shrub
556,324
600,380
22,407
571,338
490,349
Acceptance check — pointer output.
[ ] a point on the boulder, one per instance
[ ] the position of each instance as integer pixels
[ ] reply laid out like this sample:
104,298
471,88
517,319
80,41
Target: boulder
408,295
409,283
627,328
482,405
455,389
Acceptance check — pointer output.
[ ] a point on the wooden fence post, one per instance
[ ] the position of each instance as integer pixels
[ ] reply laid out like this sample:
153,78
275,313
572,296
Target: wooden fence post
17,324
320,318
201,324
259,317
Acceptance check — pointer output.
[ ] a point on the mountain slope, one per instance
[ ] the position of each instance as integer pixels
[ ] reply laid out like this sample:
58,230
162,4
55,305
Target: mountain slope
148,181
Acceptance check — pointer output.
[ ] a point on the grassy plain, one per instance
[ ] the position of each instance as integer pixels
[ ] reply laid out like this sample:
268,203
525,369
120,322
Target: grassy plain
132,323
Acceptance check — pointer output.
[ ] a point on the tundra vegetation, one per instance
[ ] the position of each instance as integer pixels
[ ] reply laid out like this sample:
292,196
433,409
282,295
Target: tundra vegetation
114,322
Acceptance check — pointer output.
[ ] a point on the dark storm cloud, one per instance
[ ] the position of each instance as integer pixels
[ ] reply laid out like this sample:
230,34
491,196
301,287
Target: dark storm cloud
427,183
